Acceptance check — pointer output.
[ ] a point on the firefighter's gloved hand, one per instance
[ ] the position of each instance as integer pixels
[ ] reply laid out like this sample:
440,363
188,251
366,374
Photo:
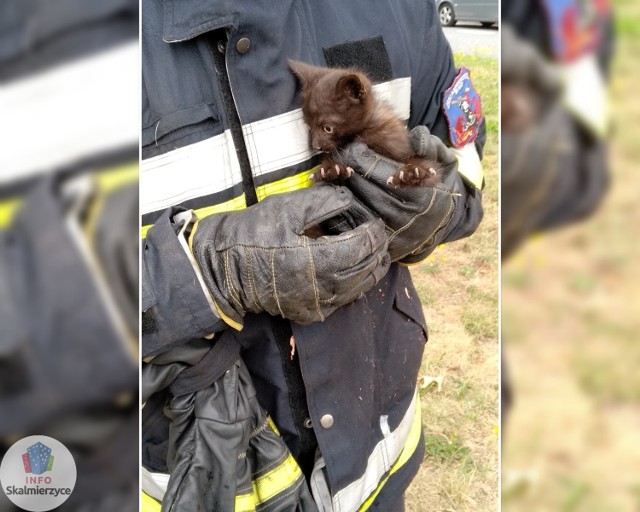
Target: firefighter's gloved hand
259,259
539,173
415,217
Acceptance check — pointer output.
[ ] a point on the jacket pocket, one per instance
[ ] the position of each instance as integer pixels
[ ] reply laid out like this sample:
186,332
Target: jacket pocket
180,97
407,302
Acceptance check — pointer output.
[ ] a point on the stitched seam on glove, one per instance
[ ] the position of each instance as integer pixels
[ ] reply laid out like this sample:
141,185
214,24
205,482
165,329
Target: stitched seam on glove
273,281
413,219
227,274
312,269
252,283
305,243
445,219
329,301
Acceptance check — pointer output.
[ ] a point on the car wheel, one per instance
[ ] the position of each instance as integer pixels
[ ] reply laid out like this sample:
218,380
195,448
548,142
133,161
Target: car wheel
487,24
447,18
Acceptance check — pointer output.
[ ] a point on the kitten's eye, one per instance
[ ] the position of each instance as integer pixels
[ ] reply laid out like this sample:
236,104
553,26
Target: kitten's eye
328,129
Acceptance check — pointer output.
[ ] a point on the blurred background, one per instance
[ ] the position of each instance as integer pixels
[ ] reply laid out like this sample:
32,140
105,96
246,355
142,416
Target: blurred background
69,238
570,231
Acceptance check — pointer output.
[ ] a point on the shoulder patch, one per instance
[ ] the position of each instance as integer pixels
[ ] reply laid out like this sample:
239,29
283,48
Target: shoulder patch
573,26
463,109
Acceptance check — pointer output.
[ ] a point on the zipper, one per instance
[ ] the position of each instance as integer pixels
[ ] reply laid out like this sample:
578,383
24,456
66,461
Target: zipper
218,47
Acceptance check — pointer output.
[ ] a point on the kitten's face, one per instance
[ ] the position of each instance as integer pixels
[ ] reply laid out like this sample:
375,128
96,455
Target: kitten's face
336,104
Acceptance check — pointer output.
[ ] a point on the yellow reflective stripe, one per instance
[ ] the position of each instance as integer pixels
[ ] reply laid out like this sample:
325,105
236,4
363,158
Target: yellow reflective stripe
278,480
300,180
8,209
107,181
409,448
296,182
149,504
237,203
273,425
116,177
245,503
268,486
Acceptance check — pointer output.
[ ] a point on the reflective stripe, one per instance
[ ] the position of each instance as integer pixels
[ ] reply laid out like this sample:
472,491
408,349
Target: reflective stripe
397,94
117,177
409,449
149,504
70,112
386,455
296,182
211,166
195,170
8,209
283,478
154,484
245,503
107,181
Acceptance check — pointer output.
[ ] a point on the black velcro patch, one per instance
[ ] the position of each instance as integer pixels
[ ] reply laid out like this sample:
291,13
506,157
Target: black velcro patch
148,323
367,55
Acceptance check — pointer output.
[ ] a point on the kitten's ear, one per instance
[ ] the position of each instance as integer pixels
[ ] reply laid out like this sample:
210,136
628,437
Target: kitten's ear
352,86
306,73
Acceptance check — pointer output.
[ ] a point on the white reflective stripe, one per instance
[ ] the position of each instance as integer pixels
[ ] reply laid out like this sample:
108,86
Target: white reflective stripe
196,170
211,165
154,484
384,425
397,94
69,112
278,142
385,453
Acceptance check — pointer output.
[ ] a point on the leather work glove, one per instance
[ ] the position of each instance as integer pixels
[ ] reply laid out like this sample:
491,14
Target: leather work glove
260,259
538,175
553,170
415,217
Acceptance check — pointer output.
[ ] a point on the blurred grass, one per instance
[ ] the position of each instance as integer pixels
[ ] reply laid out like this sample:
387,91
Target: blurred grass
571,323
458,286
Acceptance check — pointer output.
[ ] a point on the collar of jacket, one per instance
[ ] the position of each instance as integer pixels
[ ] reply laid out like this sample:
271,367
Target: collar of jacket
186,19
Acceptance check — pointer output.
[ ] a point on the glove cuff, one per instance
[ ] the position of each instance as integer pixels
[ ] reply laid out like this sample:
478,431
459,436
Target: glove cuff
219,305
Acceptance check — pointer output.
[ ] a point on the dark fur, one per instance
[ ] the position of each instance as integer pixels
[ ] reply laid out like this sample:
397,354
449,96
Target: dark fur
339,107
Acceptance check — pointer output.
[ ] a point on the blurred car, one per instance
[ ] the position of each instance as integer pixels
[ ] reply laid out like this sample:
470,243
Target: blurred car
452,11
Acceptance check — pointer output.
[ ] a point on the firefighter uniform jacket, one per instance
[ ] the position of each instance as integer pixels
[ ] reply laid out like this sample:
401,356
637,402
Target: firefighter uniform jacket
222,129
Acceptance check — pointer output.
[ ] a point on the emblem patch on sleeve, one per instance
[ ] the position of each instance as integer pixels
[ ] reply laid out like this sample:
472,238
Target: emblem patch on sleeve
573,26
463,109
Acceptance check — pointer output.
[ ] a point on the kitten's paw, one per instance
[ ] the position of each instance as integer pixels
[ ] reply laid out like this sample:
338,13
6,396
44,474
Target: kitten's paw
332,172
414,176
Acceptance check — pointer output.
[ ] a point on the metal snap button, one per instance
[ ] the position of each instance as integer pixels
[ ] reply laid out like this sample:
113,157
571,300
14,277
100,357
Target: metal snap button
308,423
221,46
243,45
326,421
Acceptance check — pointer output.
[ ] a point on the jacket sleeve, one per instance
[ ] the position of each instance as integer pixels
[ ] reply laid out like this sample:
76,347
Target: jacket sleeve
175,307
432,74
436,58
